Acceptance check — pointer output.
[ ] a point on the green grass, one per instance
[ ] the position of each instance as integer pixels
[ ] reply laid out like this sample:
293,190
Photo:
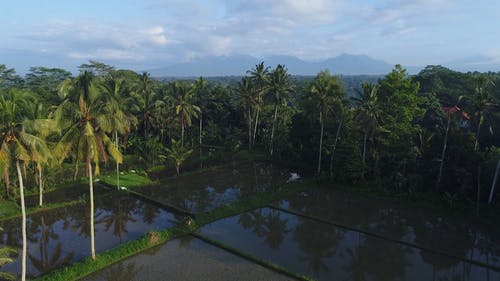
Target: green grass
9,208
81,269
127,179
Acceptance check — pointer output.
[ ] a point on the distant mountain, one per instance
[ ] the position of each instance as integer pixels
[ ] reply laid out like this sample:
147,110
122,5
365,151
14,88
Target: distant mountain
238,65
474,63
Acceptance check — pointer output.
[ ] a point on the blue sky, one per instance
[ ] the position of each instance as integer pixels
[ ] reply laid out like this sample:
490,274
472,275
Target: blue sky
144,34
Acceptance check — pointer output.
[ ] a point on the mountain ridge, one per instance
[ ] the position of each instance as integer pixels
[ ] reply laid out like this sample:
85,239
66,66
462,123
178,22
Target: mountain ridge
235,65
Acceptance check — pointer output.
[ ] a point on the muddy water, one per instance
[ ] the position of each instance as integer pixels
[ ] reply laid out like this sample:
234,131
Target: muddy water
396,220
326,252
207,190
61,236
186,258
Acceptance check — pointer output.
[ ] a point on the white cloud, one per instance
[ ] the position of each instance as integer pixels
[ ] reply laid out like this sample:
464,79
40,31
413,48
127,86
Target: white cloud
87,37
296,11
106,54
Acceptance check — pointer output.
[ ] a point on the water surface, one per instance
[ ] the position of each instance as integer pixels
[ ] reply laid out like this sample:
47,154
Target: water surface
396,220
187,259
205,191
326,252
61,236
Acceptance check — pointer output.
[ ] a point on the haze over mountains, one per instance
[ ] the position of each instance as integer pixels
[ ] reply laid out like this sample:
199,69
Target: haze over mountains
345,64
239,64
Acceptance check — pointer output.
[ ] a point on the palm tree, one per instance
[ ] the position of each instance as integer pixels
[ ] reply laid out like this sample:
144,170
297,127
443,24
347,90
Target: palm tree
323,92
259,76
368,114
200,89
87,126
341,114
179,154
146,97
16,145
184,108
450,111
483,105
246,90
280,86
42,126
116,111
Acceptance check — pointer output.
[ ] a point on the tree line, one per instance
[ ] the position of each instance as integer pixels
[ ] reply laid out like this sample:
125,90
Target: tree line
435,131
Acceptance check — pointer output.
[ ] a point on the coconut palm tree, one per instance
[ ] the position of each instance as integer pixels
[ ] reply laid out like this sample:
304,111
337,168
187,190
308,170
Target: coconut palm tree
178,154
146,97
184,109
121,119
323,94
42,126
200,89
280,87
483,104
19,146
259,76
369,112
83,114
342,114
249,102
450,112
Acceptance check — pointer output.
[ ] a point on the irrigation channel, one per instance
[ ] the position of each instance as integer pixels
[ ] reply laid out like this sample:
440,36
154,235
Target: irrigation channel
320,233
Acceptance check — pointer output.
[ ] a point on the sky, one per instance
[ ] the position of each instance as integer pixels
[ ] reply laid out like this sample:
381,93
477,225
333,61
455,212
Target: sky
146,34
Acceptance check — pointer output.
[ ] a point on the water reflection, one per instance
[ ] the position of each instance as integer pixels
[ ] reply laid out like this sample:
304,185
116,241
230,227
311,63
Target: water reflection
61,236
186,258
208,190
325,252
394,220
48,259
122,272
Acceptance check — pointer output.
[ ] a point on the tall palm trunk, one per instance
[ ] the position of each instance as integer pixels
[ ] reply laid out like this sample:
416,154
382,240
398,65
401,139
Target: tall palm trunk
182,131
91,191
494,183
363,160
255,125
117,164
320,144
274,126
145,127
478,196
76,170
201,130
337,135
6,178
443,153
249,129
476,143
40,183
23,226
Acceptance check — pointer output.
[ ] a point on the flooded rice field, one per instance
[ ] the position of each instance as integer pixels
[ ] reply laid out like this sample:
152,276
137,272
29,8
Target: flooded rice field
61,236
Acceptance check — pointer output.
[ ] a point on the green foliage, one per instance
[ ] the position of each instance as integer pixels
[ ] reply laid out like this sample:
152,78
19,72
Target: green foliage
128,179
178,154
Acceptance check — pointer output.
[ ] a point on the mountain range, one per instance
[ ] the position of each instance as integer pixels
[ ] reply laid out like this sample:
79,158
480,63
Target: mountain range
345,64
238,65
